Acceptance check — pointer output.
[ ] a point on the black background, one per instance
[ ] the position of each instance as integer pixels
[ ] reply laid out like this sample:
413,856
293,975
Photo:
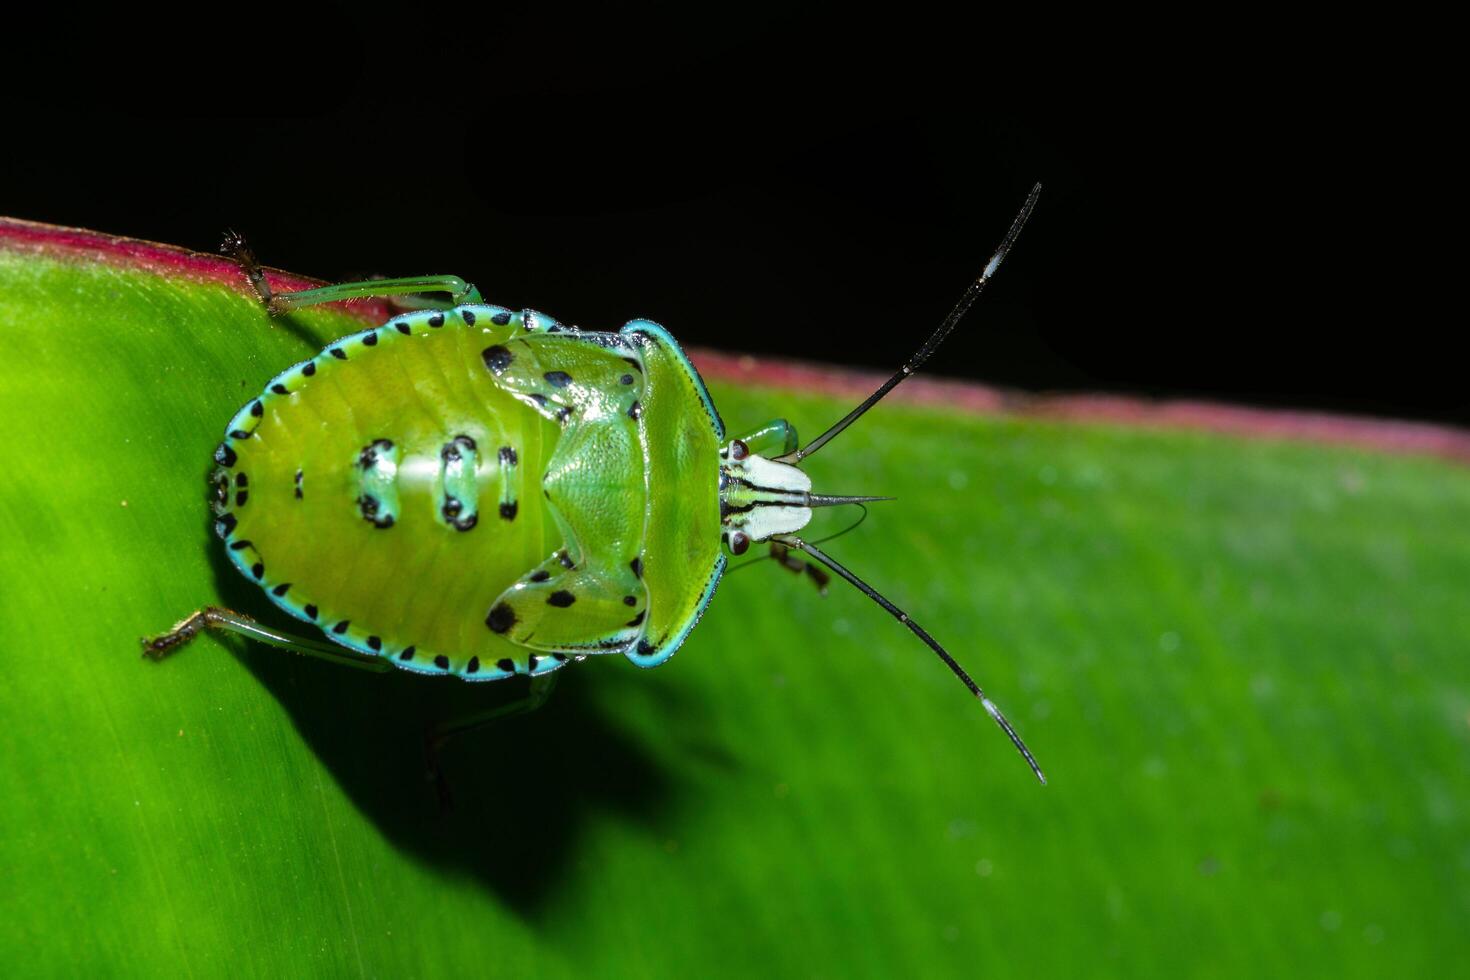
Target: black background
1235,210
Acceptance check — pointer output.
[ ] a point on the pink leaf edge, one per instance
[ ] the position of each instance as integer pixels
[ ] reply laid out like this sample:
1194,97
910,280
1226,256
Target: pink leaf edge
1385,435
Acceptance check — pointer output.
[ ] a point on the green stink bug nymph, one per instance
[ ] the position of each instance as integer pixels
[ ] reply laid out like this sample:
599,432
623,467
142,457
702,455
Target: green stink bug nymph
473,491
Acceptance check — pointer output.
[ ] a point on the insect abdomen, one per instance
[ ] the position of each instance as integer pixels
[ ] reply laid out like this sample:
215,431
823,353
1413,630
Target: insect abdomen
388,491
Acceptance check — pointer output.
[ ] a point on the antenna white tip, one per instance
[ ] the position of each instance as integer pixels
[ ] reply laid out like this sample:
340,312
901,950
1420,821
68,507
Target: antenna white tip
1005,725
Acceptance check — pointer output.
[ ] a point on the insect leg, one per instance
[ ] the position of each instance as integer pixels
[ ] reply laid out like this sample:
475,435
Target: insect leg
412,302
796,566
785,559
227,620
536,695
438,735
777,432
277,303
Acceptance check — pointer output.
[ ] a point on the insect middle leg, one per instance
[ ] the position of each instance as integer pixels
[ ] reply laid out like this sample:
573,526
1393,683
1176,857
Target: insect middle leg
277,303
777,433
227,620
535,696
437,735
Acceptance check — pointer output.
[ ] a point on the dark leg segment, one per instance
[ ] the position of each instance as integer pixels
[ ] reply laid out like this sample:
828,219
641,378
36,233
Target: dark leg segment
797,566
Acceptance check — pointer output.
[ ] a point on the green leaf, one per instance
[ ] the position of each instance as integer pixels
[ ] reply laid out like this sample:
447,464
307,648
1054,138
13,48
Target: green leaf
1242,664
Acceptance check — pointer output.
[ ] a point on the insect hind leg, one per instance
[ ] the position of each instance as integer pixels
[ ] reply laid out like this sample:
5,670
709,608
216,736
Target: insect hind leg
229,621
234,246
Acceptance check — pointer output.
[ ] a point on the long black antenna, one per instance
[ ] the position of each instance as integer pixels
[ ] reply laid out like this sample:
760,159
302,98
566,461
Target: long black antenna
793,541
930,345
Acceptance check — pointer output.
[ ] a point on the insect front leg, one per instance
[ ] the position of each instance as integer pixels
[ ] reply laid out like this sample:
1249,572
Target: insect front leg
775,434
227,620
782,554
277,303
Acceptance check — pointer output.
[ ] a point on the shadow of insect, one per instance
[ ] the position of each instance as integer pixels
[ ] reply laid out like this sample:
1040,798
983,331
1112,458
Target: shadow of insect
523,788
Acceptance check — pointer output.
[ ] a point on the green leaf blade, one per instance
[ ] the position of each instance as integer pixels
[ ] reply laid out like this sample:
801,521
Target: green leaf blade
1242,664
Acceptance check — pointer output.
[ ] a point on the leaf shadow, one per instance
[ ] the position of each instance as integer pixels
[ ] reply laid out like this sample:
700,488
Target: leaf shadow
523,788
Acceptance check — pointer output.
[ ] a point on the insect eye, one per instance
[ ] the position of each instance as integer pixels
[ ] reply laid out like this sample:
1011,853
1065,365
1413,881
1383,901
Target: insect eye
739,543
739,450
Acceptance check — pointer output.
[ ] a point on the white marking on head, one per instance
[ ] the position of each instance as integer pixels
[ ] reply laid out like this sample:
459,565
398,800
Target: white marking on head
777,476
763,522
765,497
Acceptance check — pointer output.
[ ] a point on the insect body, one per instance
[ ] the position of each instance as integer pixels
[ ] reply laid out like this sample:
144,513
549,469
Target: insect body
484,493
471,491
